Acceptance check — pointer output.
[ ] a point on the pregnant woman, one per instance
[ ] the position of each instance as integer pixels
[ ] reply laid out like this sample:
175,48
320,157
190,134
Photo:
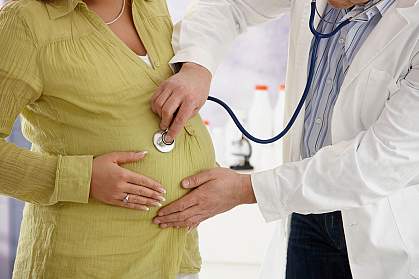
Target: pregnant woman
82,74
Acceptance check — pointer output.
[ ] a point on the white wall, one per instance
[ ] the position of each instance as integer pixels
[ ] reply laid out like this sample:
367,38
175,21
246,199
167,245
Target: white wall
5,252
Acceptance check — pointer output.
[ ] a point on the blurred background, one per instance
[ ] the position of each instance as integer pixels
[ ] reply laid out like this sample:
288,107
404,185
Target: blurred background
233,245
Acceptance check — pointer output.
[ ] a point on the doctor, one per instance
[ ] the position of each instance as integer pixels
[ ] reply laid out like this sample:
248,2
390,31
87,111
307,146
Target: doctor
351,178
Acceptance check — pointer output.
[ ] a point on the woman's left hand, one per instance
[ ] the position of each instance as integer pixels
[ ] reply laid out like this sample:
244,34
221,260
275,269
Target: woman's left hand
217,190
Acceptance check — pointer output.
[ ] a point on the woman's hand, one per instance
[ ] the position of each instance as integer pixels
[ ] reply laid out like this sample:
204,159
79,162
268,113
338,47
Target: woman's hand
180,97
111,183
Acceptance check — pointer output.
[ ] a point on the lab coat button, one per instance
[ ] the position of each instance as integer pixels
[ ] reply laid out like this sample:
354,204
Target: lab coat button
318,121
342,41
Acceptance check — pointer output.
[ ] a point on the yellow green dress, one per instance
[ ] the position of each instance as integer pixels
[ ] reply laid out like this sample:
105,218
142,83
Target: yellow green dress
81,93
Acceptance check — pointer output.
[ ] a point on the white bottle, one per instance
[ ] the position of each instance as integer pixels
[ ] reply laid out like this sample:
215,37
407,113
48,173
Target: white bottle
218,141
261,125
278,124
206,123
231,136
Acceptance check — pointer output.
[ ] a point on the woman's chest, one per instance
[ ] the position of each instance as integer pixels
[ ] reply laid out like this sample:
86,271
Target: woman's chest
90,63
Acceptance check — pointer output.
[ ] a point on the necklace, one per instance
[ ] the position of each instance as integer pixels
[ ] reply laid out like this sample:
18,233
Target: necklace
119,15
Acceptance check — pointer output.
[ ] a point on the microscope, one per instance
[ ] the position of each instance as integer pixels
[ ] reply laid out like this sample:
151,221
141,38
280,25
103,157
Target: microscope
243,150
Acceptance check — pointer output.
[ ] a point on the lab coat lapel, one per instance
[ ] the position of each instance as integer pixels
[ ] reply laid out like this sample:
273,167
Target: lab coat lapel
387,30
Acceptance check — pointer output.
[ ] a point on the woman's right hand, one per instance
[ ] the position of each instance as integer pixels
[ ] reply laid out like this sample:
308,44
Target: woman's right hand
111,183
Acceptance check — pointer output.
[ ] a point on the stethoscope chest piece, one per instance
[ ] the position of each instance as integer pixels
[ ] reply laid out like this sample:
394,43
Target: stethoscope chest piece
161,144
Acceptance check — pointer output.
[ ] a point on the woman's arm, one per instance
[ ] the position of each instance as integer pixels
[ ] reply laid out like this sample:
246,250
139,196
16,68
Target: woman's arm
26,175
45,179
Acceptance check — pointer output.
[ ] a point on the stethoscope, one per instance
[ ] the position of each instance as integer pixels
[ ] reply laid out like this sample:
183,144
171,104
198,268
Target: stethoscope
159,137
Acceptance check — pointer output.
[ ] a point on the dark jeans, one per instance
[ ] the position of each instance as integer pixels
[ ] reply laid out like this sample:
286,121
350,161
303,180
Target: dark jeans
317,248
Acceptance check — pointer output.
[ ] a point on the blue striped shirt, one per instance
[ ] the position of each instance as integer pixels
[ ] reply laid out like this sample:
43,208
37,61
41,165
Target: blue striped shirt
333,60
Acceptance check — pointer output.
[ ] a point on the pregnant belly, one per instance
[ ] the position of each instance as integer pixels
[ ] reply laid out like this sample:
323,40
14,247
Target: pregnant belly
103,229
193,151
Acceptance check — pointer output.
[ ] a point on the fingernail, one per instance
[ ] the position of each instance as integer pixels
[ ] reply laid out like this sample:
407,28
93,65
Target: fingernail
146,209
185,183
163,226
168,138
162,190
156,221
157,204
162,199
142,153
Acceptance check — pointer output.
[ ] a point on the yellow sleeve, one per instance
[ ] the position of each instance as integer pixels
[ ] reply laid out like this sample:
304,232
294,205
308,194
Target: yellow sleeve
26,175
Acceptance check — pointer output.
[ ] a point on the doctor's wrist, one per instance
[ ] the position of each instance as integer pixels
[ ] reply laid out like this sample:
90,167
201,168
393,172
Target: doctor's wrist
246,190
187,66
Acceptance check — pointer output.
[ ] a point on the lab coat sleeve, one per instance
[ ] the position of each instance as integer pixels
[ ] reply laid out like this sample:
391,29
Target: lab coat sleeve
371,166
209,28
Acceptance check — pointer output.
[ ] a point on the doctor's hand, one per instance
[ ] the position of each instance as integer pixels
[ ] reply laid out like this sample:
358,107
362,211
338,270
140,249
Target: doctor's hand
216,191
180,97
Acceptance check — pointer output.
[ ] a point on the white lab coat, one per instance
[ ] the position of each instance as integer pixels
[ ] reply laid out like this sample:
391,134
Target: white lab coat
371,171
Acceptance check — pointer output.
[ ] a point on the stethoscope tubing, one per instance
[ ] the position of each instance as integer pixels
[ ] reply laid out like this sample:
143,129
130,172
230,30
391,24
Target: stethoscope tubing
317,38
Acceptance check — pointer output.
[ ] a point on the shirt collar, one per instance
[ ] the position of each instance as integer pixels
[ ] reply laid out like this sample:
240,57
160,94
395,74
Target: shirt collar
365,13
60,8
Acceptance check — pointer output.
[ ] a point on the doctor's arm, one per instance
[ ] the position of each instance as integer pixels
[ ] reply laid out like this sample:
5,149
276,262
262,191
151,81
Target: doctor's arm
209,28
376,163
201,41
